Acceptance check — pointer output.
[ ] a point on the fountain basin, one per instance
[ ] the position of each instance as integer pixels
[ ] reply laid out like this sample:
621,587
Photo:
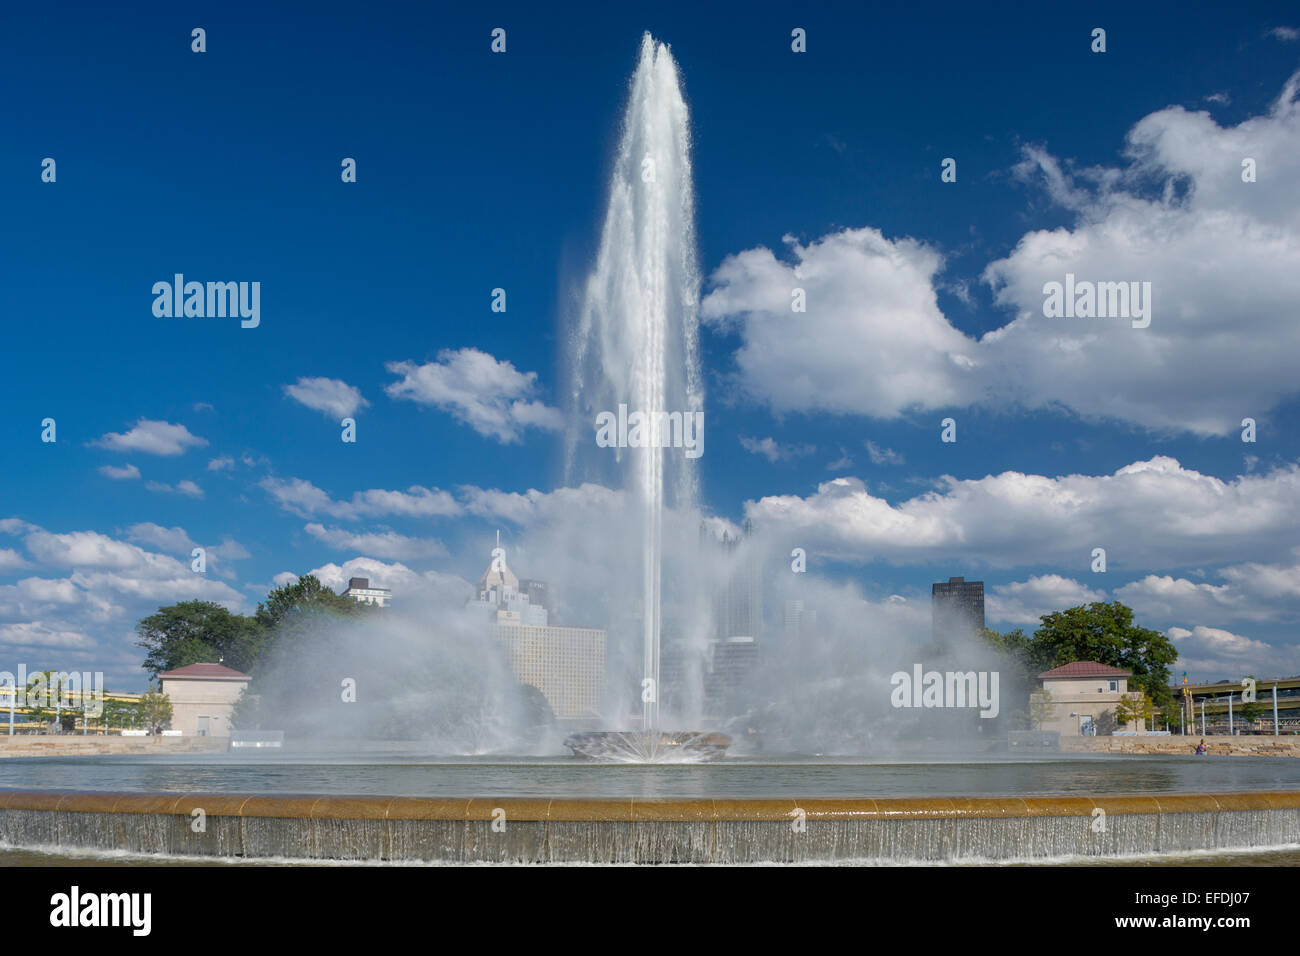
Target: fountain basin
515,830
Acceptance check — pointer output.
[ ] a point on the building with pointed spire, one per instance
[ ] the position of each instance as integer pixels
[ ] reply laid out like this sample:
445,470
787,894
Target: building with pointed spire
500,594
567,664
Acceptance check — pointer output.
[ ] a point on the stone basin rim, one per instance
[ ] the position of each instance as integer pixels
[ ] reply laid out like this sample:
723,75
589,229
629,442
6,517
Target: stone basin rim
638,809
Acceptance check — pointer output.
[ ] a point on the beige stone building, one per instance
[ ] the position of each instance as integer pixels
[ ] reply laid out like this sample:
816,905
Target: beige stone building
1081,699
203,697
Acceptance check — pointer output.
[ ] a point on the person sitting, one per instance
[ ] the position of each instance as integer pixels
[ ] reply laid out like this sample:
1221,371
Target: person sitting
1200,748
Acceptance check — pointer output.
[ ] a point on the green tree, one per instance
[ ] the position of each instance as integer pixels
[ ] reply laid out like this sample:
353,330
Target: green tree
195,632
1106,633
119,714
155,711
1136,707
303,598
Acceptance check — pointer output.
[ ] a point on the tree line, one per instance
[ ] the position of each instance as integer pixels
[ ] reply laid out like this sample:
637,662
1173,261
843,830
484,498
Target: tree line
198,632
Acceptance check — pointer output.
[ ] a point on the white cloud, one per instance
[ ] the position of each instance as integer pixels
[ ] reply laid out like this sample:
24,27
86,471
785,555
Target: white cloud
38,634
152,438
90,549
332,396
1150,514
883,456
221,464
1213,653
1285,34
186,487
492,397
299,496
119,474
11,560
1025,602
174,540
383,544
872,341
535,506
1222,336
772,450
1216,641
107,586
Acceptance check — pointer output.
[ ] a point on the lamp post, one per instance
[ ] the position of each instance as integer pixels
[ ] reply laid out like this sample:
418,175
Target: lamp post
1202,716
1231,732
1275,727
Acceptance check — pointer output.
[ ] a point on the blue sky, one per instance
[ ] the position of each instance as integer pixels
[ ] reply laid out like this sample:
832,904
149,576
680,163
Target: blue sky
478,171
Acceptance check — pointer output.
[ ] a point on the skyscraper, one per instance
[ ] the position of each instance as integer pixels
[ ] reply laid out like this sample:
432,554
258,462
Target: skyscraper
738,623
567,664
737,604
956,608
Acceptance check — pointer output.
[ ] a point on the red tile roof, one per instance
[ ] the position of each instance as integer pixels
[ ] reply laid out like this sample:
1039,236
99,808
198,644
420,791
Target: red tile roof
1084,669
204,672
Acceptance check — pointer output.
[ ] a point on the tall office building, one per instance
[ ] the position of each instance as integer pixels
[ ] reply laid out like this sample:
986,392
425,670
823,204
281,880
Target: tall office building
798,620
726,685
956,608
567,664
737,604
737,623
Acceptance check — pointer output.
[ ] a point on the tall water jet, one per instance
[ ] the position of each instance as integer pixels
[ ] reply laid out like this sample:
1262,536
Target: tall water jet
635,346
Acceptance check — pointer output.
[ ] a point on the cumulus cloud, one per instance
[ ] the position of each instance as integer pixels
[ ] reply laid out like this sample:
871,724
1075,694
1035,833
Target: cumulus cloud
94,589
168,539
1022,603
1222,336
1209,653
126,472
11,560
872,341
492,397
38,634
300,497
1253,591
221,464
332,396
772,450
152,438
1150,514
383,544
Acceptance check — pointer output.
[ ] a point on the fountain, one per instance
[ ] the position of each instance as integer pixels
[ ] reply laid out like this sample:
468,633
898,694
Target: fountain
437,797
636,346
